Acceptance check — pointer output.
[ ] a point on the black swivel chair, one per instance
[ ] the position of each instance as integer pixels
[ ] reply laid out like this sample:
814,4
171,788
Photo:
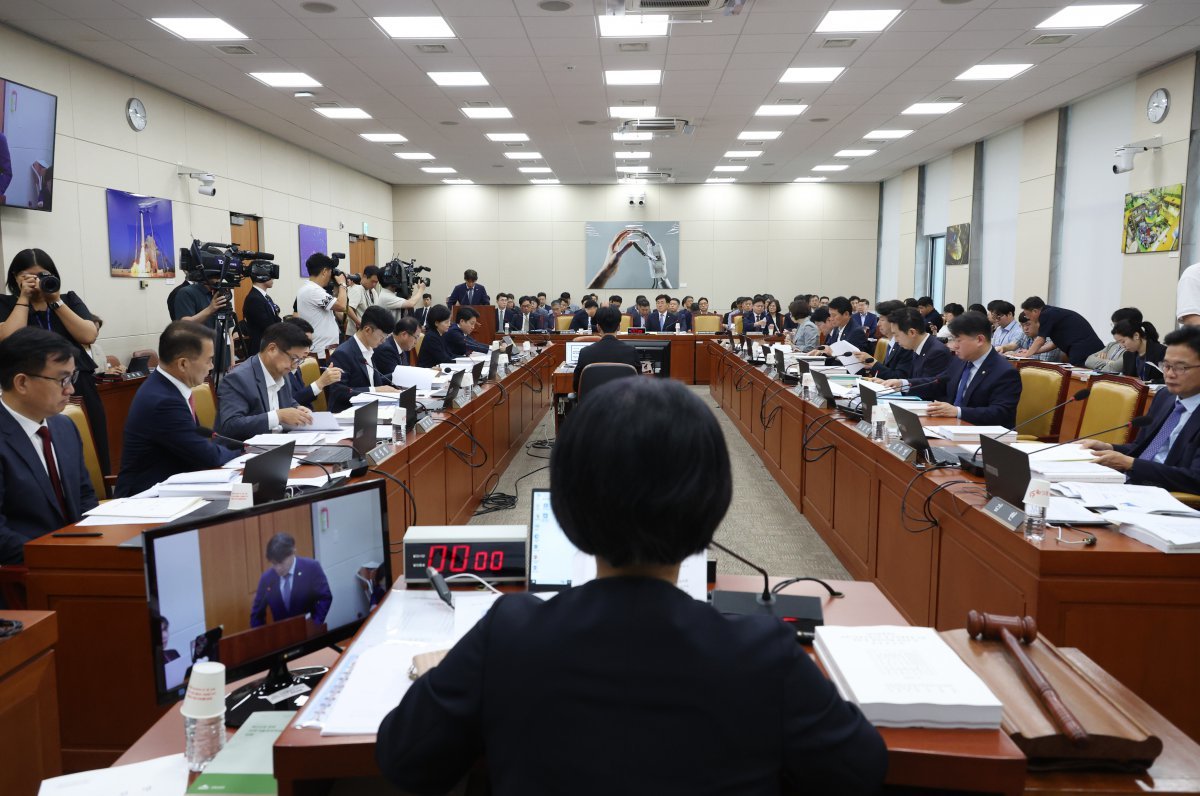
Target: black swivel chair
598,373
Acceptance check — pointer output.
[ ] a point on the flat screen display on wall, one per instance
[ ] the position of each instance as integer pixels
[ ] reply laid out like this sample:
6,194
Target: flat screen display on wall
26,147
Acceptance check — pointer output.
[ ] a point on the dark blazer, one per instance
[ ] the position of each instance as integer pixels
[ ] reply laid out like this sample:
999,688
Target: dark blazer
750,318
992,396
1181,470
422,315
301,392
1155,353
654,323
930,364
898,364
853,334
389,355
310,594
868,323
1071,332
580,321
433,350
674,717
537,321
606,349
637,321
934,320
684,319
459,344
161,439
259,312
355,377
511,317
459,295
28,506
242,403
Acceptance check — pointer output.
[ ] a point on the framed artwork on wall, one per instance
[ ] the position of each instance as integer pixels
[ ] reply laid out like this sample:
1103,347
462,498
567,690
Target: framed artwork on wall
1152,220
958,244
622,254
141,239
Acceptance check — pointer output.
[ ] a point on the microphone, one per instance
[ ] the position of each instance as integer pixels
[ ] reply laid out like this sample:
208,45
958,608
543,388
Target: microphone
378,372
803,612
1137,422
973,466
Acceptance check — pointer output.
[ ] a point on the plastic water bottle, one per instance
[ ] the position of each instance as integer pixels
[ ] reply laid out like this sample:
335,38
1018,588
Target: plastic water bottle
1035,523
399,425
677,328
203,738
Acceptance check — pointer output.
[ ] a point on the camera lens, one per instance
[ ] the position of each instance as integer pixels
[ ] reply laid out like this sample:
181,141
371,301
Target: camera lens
48,283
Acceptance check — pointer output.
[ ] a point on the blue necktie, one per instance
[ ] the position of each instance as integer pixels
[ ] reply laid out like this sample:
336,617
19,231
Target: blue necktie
1164,433
285,590
962,384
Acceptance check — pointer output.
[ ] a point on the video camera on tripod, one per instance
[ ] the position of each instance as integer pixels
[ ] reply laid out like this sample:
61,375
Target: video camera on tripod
401,276
226,263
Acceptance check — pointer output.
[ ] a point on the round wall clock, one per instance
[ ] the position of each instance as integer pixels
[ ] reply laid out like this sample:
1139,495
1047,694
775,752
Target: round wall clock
135,114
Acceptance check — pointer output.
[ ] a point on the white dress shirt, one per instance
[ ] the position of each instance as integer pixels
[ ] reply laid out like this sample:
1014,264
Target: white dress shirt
31,427
273,387
368,354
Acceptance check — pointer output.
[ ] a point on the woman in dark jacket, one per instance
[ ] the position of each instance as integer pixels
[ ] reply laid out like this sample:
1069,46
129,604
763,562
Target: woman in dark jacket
434,351
1143,352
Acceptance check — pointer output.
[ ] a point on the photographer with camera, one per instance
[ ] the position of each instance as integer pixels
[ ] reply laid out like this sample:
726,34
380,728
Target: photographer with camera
35,299
315,304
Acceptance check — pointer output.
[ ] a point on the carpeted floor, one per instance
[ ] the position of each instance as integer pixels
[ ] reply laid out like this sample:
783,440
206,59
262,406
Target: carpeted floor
762,525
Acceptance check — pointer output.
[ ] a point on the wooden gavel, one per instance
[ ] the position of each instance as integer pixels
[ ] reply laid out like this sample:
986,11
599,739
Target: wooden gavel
1008,629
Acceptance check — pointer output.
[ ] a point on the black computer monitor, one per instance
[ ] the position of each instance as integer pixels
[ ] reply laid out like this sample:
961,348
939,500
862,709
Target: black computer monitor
366,428
268,473
656,352
408,402
452,390
1005,471
214,593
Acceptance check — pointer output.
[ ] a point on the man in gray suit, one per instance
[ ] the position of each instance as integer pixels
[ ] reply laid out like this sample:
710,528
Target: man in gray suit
254,397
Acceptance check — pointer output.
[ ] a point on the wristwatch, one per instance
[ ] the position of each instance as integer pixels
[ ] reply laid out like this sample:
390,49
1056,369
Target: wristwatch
53,305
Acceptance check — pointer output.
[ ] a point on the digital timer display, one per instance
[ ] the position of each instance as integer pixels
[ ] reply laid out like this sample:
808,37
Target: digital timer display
492,560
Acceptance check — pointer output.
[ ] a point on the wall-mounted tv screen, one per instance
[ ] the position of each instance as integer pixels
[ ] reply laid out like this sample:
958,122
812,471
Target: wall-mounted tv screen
27,120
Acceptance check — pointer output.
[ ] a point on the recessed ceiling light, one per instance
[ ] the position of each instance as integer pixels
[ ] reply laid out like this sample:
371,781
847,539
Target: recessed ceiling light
523,155
721,179
780,110
535,169
343,113
857,21
759,135
285,79
633,136
487,113
743,153
810,179
634,25
886,135
458,78
415,27
303,94
633,77
855,153
729,168
459,181
438,170
632,111
627,155
811,74
631,181
555,5
633,169
993,71
1088,16
506,137
199,28
384,138
414,156
548,181
930,108
829,168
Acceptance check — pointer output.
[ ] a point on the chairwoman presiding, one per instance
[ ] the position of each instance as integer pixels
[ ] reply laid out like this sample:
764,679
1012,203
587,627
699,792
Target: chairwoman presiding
64,314
656,692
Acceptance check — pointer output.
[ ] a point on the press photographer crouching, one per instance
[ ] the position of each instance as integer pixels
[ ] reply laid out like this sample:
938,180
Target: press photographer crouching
35,298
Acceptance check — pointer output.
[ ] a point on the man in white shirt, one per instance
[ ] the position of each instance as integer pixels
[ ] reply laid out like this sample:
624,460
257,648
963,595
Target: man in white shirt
317,306
243,413
1187,297
361,296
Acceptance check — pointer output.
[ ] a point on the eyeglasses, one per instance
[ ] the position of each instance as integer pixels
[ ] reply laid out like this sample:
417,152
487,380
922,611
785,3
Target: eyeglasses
297,360
63,382
1174,367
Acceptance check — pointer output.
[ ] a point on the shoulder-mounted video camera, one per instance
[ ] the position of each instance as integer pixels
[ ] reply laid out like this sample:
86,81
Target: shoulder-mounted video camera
226,263
401,276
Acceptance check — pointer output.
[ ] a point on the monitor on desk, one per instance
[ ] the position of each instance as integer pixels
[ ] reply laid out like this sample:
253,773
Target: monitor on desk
573,350
1005,471
656,354
216,591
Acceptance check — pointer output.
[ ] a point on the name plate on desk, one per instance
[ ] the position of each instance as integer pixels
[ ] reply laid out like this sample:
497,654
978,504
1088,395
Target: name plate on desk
426,423
380,452
900,450
461,400
865,428
1012,517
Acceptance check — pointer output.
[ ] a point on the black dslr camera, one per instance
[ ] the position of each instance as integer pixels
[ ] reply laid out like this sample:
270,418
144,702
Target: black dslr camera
401,276
48,282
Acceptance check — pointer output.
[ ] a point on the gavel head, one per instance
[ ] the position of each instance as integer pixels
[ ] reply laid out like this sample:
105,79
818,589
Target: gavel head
988,626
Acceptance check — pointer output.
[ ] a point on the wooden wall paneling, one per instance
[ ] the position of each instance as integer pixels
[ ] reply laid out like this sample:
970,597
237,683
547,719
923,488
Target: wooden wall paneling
853,499
969,579
683,360
905,561
29,726
703,362
428,478
791,459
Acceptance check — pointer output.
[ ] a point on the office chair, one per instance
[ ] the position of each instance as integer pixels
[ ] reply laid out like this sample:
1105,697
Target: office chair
1043,385
206,405
1113,400
706,324
598,373
146,352
310,371
92,462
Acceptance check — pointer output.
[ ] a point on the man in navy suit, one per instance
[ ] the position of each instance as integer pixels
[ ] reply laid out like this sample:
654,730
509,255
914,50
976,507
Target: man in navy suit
161,434
528,319
661,319
506,313
459,341
980,386
868,320
306,394
255,397
640,315
1164,453
1069,330
469,292
400,348
355,358
930,357
43,483
608,348
582,320
291,586
682,317
840,327
259,311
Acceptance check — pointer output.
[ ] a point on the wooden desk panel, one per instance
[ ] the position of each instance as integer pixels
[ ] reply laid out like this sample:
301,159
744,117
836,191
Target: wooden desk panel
117,397
29,704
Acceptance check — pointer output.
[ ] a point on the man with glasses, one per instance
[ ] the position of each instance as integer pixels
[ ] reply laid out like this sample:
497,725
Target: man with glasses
43,483
255,397
162,435
355,358
306,394
1164,453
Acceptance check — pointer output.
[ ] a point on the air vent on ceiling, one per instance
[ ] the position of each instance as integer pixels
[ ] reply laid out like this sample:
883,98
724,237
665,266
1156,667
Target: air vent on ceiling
479,104
514,146
739,160
555,5
836,43
234,49
326,105
633,103
633,47
948,99
665,126
656,176
754,143
1050,38
788,101
693,6
432,49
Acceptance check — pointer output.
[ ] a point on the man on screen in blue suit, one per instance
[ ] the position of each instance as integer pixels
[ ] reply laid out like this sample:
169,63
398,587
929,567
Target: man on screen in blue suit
291,586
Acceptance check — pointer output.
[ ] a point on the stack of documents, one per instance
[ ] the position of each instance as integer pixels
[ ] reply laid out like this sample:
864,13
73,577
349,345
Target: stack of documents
384,398
346,416
321,421
971,434
1168,534
1050,452
141,511
247,763
1088,472
906,677
302,439
1125,497
844,350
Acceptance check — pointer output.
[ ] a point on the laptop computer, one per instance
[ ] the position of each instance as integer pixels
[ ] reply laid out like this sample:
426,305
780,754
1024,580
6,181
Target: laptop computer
493,372
551,554
477,373
268,473
821,382
366,420
573,350
408,402
913,435
1005,471
138,366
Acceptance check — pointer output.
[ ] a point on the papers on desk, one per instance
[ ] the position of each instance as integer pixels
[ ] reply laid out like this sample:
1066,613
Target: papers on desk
384,398
346,416
405,376
275,440
1076,471
1167,534
844,350
246,764
142,510
162,776
971,434
692,579
1049,452
1071,512
322,421
222,476
906,677
1125,497
240,462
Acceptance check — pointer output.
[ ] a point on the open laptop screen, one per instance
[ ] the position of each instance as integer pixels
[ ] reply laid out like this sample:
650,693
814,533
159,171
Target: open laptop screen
573,350
551,554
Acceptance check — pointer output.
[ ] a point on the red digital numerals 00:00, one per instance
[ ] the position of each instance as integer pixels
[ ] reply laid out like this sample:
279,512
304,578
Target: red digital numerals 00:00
459,558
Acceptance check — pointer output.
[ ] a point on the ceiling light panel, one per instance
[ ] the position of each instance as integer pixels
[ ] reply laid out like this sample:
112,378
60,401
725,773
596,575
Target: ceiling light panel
415,27
550,181
199,28
810,179
535,169
993,71
721,179
829,167
812,74
633,169
633,77
626,155
438,170
886,135
759,135
857,21
632,111
634,25
633,136
459,182
343,113
855,153
780,110
452,79
523,155
729,168
384,138
285,79
1088,16
743,153
414,156
507,137
487,113
930,108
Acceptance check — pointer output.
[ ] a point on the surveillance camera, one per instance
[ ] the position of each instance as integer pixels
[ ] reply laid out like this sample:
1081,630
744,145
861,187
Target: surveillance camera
207,190
1124,160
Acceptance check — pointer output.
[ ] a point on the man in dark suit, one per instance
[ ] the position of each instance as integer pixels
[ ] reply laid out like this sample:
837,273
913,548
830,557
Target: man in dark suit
255,397
640,315
1069,330
608,348
868,320
930,357
506,313
400,348
459,341
421,311
840,327
43,482
527,319
291,586
682,317
306,394
1164,453
980,386
259,311
161,436
469,292
355,358
661,319
582,321
754,317
898,361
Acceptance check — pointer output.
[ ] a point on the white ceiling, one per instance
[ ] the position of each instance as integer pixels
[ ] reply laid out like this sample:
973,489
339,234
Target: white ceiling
547,68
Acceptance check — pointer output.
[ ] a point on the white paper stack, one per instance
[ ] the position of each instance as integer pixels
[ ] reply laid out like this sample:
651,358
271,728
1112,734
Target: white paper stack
384,398
321,421
971,434
1125,497
906,677
346,416
1087,472
275,440
143,511
1050,452
1168,534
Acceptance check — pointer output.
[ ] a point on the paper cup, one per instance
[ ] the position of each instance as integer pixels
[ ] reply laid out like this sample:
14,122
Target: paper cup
205,697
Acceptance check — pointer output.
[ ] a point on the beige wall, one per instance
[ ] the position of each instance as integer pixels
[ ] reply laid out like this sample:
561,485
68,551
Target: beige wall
734,239
1035,213
95,149
962,187
908,235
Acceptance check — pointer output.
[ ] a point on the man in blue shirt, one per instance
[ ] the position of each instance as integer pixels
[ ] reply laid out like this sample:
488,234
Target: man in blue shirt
1007,334
1070,331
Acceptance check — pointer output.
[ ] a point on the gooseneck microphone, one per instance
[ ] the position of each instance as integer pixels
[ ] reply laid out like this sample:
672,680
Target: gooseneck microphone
973,466
1137,422
802,612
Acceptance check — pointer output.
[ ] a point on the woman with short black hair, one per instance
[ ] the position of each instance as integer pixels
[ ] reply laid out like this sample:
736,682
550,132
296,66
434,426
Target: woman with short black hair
434,350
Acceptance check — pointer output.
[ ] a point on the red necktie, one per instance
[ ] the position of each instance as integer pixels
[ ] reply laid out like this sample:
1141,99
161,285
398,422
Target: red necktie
52,469
192,406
